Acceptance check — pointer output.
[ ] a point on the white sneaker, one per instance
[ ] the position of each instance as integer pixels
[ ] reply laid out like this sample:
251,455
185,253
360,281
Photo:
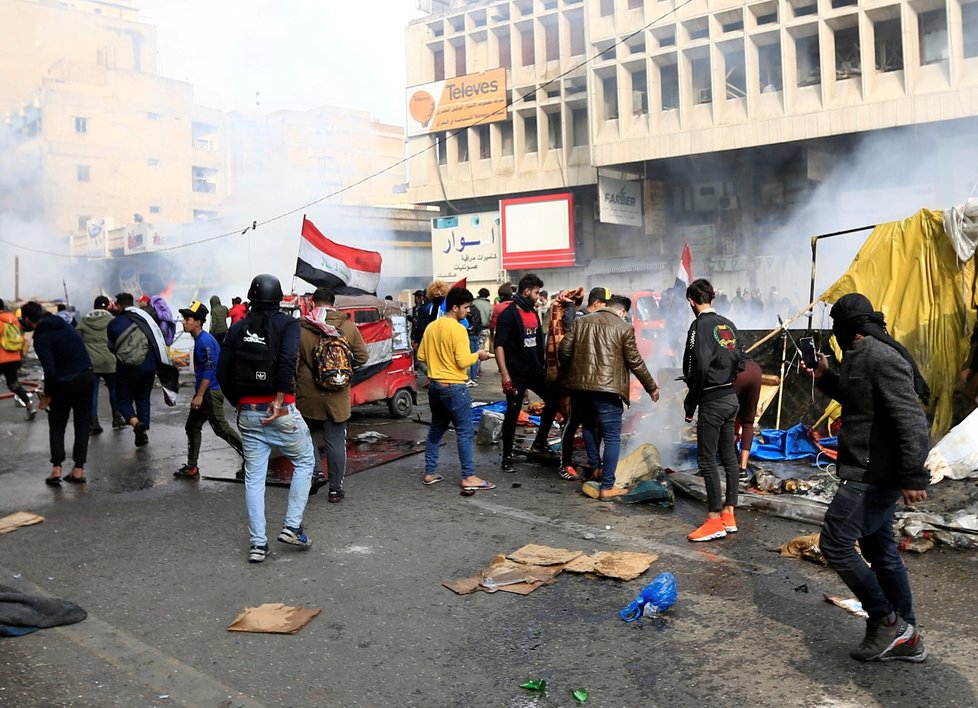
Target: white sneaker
471,384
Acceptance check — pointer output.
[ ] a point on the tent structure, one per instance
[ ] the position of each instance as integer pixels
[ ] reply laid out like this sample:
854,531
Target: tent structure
913,272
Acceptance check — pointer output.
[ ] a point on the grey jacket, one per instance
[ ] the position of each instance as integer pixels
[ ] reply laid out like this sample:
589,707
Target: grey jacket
92,329
885,436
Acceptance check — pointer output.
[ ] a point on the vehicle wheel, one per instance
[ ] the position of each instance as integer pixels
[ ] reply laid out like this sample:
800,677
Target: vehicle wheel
401,403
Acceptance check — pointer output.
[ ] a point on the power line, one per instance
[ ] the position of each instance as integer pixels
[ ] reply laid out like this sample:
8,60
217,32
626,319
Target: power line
255,224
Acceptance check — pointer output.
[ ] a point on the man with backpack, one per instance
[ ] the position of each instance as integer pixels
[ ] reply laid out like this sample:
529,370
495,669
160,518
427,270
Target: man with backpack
93,328
256,371
330,348
208,401
11,354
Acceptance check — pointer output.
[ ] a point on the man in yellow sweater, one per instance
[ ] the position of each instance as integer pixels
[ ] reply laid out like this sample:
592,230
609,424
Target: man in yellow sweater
445,349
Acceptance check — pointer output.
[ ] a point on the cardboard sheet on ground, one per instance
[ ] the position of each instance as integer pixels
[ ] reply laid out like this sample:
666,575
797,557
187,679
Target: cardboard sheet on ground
533,554
273,618
14,521
623,565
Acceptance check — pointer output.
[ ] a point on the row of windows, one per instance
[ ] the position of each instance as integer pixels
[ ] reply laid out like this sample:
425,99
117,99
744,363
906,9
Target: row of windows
204,178
199,215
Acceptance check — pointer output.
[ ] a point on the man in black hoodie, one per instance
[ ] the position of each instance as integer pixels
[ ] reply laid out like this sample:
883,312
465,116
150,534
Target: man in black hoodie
710,364
883,443
68,387
520,356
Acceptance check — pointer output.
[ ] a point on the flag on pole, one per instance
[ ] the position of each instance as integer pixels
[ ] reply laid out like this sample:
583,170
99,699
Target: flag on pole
325,263
684,275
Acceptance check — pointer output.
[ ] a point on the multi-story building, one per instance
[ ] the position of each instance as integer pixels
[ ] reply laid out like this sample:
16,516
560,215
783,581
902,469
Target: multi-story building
728,118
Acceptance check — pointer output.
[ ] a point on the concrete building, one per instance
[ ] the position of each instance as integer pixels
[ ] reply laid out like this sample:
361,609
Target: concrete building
726,117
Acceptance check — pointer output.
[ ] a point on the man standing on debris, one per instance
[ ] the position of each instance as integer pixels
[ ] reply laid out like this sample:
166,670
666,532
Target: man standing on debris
520,358
256,371
208,401
600,351
710,364
445,349
883,443
330,349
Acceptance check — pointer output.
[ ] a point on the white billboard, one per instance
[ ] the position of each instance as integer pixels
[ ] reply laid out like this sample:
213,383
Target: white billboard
466,246
620,201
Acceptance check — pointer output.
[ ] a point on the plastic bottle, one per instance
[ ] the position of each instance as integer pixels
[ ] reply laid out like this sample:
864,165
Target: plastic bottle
660,594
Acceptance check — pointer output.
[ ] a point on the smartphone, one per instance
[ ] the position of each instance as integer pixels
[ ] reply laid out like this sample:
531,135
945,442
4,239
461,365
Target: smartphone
806,345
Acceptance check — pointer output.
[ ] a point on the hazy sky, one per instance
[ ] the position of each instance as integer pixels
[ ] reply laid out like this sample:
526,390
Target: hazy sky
297,53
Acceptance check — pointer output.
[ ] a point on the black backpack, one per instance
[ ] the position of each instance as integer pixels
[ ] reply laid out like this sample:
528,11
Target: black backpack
475,321
254,356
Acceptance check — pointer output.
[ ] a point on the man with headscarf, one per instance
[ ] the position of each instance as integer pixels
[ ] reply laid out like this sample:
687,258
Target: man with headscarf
883,443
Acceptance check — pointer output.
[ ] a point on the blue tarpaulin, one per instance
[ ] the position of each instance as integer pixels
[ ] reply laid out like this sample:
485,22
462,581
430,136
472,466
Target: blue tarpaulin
795,443
497,407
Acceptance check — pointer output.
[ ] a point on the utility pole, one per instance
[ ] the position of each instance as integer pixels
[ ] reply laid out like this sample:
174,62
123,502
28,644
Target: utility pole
16,278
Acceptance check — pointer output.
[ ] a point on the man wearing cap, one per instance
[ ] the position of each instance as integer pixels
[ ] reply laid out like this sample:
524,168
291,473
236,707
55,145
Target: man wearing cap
208,401
883,443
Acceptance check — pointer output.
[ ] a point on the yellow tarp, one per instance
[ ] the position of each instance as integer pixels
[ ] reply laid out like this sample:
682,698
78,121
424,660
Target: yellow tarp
909,271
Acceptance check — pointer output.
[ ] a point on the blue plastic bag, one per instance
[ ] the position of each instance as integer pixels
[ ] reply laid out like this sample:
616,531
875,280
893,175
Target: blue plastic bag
660,593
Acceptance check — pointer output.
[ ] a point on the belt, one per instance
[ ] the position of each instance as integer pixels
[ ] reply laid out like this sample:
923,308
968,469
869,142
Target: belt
254,406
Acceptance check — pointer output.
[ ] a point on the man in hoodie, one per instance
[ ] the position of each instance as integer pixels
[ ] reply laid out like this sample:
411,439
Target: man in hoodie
93,328
208,401
430,311
710,365
134,382
883,443
326,411
68,384
10,358
219,320
238,310
521,361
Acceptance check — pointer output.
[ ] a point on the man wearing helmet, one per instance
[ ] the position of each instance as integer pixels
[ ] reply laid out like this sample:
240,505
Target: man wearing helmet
256,370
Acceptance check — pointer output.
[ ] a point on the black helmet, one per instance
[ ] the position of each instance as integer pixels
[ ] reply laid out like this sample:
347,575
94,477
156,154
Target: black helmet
265,288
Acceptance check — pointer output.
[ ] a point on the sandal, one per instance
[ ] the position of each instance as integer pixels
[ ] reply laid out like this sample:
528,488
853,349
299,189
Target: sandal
75,480
435,480
55,479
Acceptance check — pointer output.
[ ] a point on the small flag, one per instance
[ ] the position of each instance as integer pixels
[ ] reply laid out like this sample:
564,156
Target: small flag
684,275
325,263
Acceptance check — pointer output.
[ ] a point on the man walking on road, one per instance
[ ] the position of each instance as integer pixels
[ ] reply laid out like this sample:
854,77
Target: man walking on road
93,328
208,401
883,443
256,370
11,353
599,351
445,349
330,348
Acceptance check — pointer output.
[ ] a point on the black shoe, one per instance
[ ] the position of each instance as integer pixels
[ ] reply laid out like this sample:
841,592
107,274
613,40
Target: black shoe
96,429
336,496
318,482
883,641
141,437
508,465
118,422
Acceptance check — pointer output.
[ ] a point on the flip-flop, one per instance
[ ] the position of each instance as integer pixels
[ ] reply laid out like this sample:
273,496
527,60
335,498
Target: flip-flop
484,485
53,481
438,478
75,480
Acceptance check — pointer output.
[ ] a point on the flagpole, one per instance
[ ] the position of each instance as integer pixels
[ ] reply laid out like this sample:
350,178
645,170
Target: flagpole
297,250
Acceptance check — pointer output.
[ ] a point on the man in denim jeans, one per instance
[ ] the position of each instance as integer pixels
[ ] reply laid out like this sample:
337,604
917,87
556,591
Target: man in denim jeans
445,349
256,371
883,443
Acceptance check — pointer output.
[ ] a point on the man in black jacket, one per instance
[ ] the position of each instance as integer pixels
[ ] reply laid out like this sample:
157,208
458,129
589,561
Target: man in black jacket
883,443
256,371
520,357
710,364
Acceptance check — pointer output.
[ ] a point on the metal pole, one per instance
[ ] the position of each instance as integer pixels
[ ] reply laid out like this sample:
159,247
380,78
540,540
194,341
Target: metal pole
784,356
811,289
16,278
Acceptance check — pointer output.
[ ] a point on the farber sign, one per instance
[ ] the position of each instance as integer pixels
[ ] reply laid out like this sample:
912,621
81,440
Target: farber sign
621,201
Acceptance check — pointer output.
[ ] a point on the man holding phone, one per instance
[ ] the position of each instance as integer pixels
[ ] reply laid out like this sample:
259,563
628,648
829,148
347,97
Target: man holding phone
883,443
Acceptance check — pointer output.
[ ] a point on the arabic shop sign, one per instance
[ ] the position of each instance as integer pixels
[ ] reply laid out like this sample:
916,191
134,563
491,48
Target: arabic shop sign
466,246
620,201
456,103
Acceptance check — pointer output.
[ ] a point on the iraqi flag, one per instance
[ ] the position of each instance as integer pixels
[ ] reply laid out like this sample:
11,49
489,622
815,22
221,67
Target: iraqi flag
325,263
684,274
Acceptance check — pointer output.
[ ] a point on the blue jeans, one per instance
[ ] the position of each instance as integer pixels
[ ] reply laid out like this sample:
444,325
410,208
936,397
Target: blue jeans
864,513
474,347
134,386
109,380
290,435
449,403
600,415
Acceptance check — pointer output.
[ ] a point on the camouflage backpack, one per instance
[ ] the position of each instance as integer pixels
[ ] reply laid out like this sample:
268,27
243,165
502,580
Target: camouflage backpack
332,362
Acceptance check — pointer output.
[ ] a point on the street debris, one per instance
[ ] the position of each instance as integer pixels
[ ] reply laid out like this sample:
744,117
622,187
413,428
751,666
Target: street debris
659,595
535,685
581,695
956,455
22,614
273,618
921,530
370,436
14,521
849,604
805,547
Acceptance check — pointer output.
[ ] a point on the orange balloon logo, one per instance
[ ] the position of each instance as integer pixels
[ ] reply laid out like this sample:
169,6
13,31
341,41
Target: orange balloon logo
422,107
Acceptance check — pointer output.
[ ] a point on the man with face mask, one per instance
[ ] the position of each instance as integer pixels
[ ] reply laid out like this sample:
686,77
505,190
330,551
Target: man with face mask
883,443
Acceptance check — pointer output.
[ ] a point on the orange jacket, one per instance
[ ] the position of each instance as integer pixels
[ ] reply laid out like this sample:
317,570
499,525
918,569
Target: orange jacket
5,356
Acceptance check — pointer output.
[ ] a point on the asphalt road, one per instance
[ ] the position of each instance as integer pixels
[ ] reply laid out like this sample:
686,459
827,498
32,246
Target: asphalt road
160,565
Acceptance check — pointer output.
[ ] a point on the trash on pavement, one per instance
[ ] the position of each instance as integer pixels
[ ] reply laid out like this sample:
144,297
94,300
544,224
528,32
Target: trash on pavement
849,604
14,521
581,695
655,491
958,531
490,429
621,565
536,685
22,614
788,506
660,594
805,547
273,618
543,555
956,455
370,436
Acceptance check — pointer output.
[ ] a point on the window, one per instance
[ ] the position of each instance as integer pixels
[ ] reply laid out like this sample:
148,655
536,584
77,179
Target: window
462,145
933,36
152,116
441,147
669,86
204,179
969,28
609,90
607,8
83,220
505,50
552,38
460,58
530,133
888,45
526,45
640,93
152,162
485,148
576,22
506,138
83,173
808,60
579,127
438,64
555,137
769,66
204,215
847,61
736,72
702,86
635,4
154,210
81,124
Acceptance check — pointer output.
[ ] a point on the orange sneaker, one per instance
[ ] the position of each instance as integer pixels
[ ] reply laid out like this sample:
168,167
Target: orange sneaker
729,522
711,529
